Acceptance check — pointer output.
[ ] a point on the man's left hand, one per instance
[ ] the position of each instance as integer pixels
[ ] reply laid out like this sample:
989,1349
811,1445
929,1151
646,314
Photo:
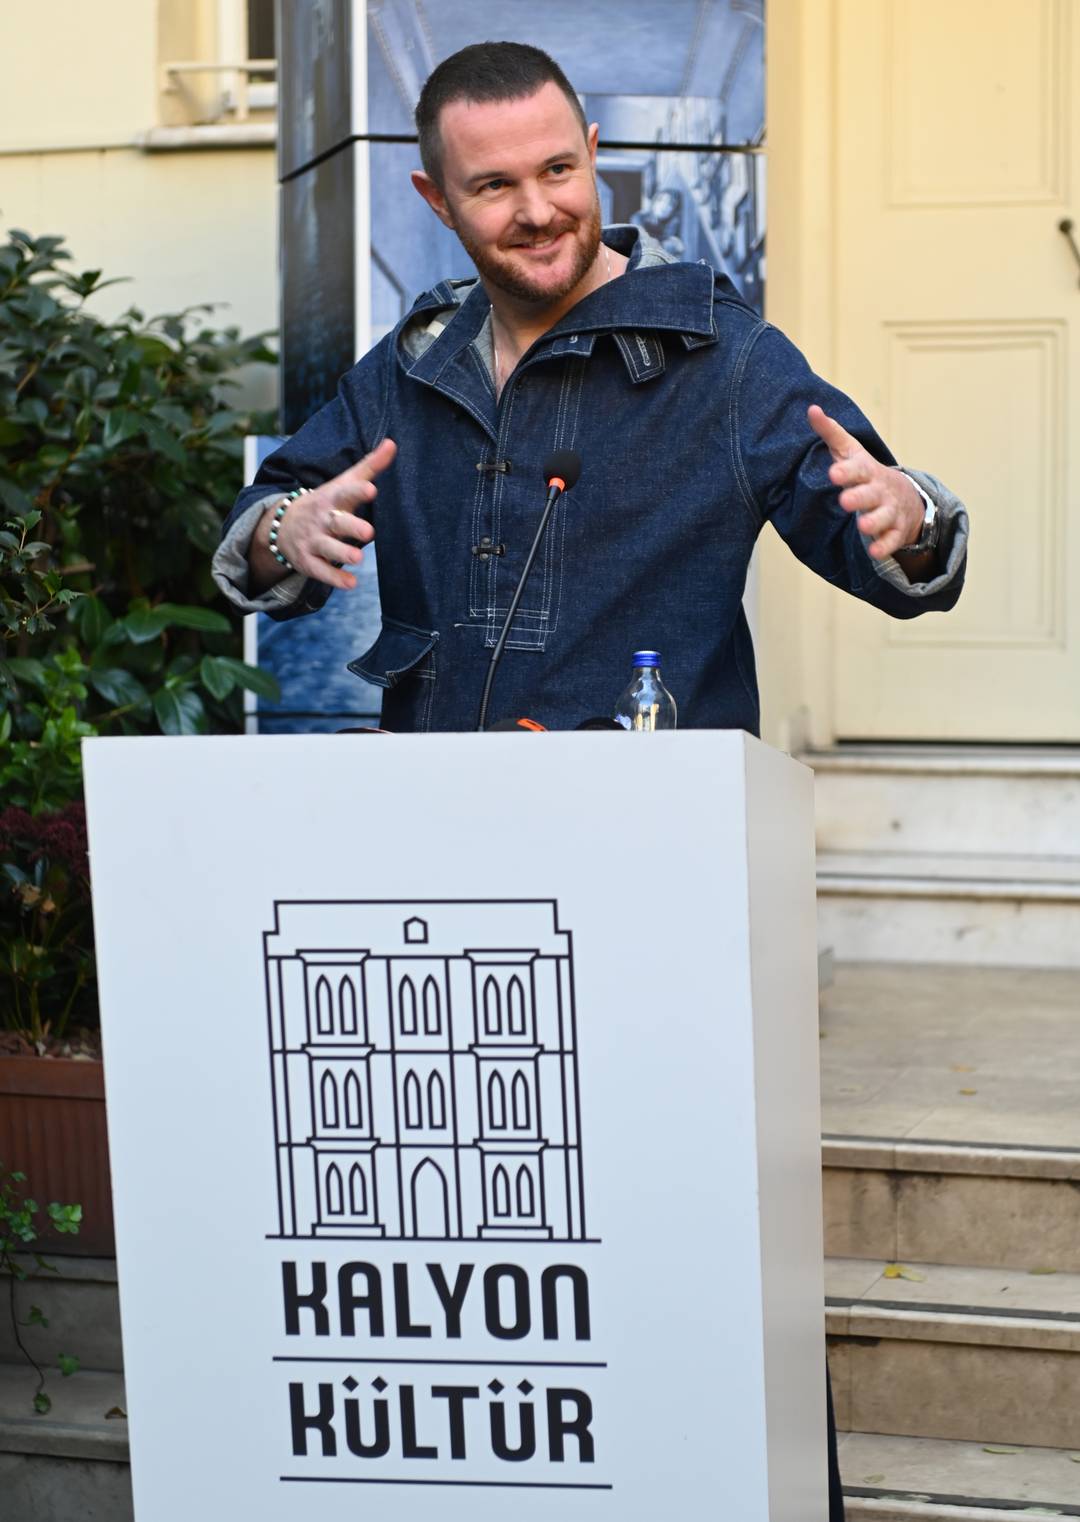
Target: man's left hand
889,509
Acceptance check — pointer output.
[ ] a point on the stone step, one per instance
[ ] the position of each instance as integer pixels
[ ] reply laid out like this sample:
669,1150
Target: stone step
977,1205
972,1354
70,1463
903,1479
952,799
78,1297
976,910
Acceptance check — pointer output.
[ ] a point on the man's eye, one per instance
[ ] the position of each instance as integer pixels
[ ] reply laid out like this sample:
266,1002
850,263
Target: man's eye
558,168
494,184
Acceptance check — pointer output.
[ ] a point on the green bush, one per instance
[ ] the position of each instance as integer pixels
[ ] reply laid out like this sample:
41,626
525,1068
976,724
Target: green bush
119,455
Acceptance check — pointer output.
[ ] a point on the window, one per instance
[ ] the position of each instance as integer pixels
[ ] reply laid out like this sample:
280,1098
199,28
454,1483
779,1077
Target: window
519,1103
354,1103
260,29
500,1191
335,1200
526,1195
492,1008
324,1008
357,1191
413,1116
515,998
432,1009
436,1098
496,1103
347,1007
328,1099
407,1007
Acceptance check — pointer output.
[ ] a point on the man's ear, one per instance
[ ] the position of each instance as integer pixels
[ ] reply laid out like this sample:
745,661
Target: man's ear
426,187
592,137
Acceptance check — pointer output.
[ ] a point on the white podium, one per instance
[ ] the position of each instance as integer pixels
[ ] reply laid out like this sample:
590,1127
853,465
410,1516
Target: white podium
464,1120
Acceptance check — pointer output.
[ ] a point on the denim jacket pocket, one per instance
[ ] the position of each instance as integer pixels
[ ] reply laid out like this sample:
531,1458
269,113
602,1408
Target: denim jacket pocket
398,650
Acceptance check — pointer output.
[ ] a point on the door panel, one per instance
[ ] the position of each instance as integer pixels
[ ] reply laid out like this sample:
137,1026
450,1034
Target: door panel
957,307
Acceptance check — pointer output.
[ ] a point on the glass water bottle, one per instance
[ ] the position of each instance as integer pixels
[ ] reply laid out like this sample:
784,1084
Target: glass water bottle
646,704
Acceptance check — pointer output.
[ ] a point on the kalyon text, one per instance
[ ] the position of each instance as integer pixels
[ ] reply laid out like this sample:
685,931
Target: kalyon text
418,1418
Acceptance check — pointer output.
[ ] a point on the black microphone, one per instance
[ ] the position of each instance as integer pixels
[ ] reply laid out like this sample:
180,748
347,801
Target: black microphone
561,471
517,727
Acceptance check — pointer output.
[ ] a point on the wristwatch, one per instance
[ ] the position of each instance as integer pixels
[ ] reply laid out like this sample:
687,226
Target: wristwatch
930,536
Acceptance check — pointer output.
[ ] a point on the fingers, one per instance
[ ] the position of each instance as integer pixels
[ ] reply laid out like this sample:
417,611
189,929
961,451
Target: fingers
841,443
346,528
321,535
354,487
887,544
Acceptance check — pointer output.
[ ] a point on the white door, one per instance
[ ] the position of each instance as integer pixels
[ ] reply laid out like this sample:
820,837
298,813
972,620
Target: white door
957,303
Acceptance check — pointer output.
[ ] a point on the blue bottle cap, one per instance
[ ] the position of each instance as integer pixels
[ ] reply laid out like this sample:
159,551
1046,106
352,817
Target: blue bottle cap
646,658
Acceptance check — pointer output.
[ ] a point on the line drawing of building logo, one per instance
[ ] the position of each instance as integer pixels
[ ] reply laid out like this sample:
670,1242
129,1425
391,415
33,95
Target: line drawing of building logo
424,1070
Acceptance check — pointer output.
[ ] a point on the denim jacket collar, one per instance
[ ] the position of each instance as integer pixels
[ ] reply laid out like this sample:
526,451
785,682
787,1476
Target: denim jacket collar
674,297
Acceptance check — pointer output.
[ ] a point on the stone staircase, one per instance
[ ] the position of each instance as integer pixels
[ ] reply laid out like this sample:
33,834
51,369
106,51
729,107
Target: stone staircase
951,1113
949,854
72,1464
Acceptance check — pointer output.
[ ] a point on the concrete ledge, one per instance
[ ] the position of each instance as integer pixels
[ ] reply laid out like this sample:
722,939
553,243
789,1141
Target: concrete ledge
969,1158
903,1479
60,1490
77,1427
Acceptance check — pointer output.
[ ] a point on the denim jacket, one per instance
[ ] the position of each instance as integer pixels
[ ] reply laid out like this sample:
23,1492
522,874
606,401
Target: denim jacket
689,414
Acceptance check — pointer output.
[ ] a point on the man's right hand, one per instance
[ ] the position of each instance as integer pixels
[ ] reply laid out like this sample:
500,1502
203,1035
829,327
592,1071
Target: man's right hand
319,528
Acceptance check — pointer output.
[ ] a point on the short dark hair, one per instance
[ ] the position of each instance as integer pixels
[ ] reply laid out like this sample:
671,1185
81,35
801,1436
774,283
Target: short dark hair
484,71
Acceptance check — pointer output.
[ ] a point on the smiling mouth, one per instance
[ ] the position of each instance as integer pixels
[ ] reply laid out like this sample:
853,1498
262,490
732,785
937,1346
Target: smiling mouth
541,246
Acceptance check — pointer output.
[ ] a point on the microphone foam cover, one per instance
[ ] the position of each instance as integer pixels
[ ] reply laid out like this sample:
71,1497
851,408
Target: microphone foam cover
564,463
600,724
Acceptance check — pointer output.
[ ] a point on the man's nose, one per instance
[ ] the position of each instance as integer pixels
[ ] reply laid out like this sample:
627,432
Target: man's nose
533,208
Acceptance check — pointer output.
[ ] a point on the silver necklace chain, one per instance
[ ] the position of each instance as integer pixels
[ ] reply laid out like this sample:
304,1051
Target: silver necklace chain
491,309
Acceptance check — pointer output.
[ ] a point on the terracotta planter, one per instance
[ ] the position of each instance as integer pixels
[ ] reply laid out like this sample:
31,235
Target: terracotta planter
52,1128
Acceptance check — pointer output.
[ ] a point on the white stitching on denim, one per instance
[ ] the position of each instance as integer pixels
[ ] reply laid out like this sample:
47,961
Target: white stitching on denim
570,393
477,566
746,490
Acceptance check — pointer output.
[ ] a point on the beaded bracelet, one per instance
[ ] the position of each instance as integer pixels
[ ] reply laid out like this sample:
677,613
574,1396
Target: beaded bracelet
275,523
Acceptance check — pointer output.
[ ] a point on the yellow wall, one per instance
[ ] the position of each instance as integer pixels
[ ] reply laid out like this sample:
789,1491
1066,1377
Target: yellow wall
795,619
188,226
79,73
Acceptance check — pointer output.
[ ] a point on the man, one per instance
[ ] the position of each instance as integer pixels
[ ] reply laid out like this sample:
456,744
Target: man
695,421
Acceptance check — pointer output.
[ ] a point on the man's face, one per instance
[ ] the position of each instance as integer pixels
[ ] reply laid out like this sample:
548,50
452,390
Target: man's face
519,190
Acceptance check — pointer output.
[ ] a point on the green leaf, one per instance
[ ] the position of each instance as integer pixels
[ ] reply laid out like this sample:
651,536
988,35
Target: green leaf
164,442
252,677
121,424
202,525
154,351
33,410
119,687
204,619
10,433
179,711
143,625
94,620
15,500
67,1364
42,1403
218,680
53,456
25,669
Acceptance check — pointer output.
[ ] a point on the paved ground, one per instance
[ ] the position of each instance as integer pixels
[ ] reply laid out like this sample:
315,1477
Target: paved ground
952,1054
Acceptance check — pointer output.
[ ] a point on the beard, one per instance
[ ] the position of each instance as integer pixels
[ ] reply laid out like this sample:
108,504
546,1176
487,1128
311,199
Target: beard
497,268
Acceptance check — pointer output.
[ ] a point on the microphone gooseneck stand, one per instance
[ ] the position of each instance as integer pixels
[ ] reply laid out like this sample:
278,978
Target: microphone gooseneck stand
561,471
